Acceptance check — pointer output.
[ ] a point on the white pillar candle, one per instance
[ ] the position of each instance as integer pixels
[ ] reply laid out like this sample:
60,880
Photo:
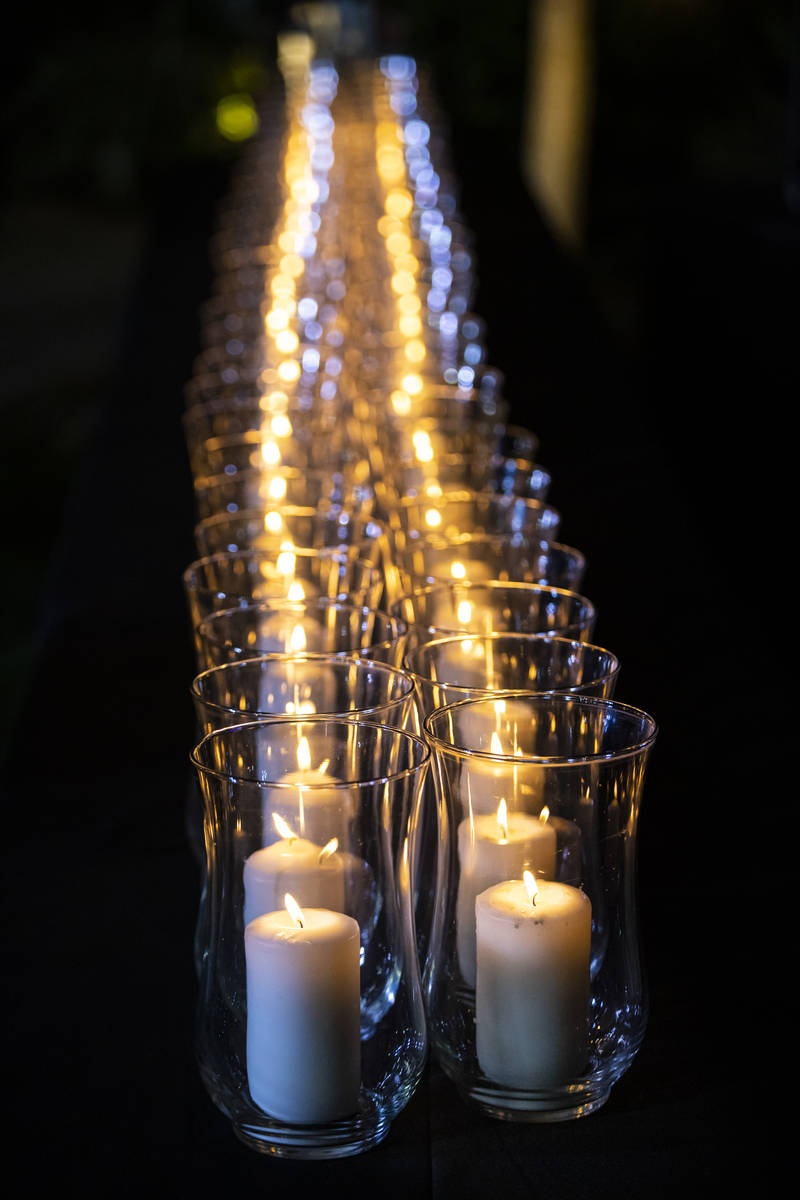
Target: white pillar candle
492,848
313,874
532,991
303,1015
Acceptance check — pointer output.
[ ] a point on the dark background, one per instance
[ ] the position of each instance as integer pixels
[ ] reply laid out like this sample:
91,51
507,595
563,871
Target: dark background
657,362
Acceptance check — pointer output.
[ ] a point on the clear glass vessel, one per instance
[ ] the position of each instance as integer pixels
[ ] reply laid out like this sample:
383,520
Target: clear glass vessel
446,670
494,607
310,1032
534,986
314,626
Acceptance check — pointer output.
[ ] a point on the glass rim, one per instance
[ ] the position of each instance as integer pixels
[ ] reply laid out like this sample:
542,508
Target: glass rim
460,495
344,657
247,474
312,719
484,693
535,542
223,557
562,699
324,509
493,585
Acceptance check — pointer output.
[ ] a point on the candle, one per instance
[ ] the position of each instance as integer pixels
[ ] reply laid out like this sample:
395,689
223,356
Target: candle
532,991
312,873
491,848
303,1014
487,781
323,810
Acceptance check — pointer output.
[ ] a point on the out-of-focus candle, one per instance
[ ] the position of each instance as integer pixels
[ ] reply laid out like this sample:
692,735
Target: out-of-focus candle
492,848
532,990
303,1014
313,874
323,810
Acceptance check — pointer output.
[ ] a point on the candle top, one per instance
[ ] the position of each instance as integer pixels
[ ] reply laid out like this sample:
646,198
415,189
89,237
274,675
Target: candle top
518,827
309,778
509,901
320,926
296,851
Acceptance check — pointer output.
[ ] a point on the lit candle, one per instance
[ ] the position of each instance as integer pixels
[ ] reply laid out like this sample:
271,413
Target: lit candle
323,811
532,992
312,873
303,1014
487,781
491,848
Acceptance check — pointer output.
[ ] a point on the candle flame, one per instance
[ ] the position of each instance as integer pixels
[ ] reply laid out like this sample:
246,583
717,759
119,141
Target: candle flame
530,886
303,754
295,593
283,828
328,849
502,820
297,641
285,562
544,815
323,766
496,744
293,908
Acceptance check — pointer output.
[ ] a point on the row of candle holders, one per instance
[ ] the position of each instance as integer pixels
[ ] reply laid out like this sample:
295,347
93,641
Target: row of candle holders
418,799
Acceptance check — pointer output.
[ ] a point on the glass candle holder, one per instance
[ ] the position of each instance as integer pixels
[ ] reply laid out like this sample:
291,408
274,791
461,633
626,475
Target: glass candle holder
494,607
455,514
481,557
267,489
534,987
310,1032
446,670
314,626
221,581
270,526
303,684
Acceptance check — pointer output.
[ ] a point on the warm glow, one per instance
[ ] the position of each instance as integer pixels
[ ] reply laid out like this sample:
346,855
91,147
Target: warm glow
271,454
496,744
412,384
544,814
464,612
297,641
289,370
296,592
281,426
502,820
285,563
277,487
399,203
273,521
433,518
415,351
303,754
287,341
293,908
283,829
401,402
277,319
327,850
458,570
530,886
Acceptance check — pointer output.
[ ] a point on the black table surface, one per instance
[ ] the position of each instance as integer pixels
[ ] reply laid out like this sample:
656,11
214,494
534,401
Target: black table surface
100,1080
